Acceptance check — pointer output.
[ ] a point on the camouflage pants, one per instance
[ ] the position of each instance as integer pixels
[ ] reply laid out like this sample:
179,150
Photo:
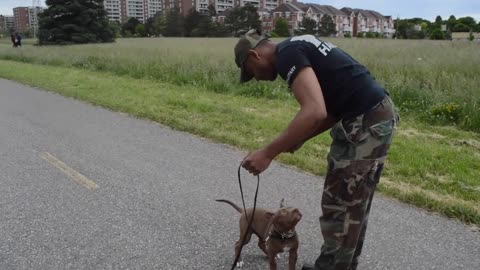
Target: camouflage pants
355,162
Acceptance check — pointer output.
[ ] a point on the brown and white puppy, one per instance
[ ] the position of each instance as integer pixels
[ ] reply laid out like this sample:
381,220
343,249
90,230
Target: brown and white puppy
275,230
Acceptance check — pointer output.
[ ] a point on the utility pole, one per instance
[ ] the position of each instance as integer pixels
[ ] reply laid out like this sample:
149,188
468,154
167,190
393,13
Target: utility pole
35,5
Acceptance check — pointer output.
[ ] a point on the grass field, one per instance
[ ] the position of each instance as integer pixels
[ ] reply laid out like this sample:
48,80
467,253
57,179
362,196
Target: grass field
192,85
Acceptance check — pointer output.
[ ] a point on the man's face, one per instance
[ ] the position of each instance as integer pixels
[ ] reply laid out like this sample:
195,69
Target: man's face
258,66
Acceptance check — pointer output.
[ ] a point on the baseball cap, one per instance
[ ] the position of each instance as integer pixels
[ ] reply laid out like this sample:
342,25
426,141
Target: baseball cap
247,42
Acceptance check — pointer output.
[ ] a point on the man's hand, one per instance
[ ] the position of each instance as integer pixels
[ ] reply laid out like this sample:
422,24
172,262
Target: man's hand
257,162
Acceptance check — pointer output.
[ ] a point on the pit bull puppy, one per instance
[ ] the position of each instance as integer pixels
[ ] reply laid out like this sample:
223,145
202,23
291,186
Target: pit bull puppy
275,231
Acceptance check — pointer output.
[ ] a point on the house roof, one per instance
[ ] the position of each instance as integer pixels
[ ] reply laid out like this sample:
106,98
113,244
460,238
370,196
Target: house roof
322,9
302,6
326,9
348,11
334,10
376,14
288,7
263,10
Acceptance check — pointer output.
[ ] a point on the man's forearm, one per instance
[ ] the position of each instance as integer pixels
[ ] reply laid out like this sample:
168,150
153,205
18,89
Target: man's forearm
300,129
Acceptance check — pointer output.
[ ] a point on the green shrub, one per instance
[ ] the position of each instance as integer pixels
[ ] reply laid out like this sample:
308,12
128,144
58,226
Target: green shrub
445,113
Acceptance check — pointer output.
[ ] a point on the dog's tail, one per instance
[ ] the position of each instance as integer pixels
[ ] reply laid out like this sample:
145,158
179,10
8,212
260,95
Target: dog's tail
232,204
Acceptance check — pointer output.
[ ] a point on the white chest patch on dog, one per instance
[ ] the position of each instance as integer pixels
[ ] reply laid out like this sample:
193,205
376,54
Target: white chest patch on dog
285,249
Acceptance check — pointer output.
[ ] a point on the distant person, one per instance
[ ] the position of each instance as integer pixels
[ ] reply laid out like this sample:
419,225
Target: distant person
14,40
19,40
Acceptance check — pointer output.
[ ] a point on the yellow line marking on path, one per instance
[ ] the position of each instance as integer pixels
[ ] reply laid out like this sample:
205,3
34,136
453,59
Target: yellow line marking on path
76,176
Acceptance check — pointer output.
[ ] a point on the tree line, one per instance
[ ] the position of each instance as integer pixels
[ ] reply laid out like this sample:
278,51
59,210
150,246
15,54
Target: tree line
79,21
418,28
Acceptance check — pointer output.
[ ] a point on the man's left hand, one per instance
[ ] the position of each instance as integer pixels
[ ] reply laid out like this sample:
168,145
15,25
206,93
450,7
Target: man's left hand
257,162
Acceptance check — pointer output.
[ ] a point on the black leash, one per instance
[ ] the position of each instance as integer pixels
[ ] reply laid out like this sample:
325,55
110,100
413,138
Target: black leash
245,211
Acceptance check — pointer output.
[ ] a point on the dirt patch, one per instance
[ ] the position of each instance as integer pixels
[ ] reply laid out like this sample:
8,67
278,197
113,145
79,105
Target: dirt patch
441,198
249,110
471,143
439,178
410,132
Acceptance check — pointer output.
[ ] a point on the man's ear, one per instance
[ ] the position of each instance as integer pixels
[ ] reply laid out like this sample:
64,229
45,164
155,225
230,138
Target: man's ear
254,54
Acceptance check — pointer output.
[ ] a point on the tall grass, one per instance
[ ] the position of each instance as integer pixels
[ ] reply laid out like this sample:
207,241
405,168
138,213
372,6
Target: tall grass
435,80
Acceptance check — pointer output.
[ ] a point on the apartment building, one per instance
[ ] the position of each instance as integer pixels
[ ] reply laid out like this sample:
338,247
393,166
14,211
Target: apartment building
22,19
33,19
121,10
9,22
370,21
25,19
114,9
347,20
3,26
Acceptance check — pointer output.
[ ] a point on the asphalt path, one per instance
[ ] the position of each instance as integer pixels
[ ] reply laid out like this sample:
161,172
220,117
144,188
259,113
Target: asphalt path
82,187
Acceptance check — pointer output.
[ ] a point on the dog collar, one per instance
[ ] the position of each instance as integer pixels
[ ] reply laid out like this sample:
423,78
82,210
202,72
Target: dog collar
282,235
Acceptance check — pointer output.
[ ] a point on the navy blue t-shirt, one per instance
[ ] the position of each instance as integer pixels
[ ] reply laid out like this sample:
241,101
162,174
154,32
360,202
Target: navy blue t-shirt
348,87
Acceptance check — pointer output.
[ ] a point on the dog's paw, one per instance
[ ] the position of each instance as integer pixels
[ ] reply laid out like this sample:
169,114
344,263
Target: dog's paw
240,264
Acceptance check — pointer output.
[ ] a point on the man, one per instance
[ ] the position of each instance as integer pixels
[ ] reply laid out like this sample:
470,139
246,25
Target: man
18,39
14,40
334,92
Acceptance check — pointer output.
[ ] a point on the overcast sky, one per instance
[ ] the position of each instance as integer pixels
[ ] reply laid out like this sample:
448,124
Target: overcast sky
427,9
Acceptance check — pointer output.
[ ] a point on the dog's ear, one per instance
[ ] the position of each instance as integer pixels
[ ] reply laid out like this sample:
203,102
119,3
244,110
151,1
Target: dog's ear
269,215
282,203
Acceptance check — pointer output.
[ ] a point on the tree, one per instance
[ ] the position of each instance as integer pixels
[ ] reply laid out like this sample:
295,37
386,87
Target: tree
242,19
116,28
437,34
159,24
424,26
75,21
130,26
460,27
220,30
438,21
150,26
281,28
205,27
191,21
173,23
140,30
234,20
451,22
307,26
468,21
211,10
326,26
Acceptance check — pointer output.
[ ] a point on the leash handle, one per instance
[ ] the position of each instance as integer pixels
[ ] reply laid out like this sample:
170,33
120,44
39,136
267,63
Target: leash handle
245,211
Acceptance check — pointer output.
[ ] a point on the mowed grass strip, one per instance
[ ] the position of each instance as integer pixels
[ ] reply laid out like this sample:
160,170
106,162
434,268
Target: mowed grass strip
434,167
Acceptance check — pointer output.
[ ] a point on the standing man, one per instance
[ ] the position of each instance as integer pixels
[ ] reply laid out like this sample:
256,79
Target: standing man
19,40
14,40
334,92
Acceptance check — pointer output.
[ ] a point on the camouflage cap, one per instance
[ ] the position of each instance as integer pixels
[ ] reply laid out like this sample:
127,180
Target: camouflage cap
247,42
